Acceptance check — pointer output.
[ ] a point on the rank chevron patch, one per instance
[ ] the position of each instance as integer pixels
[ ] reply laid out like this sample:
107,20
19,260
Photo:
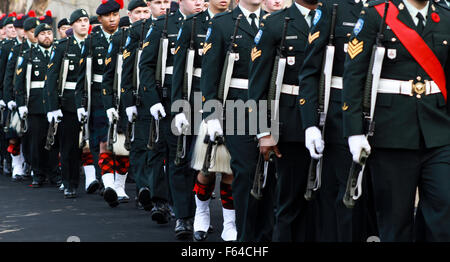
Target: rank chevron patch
255,53
107,61
313,37
206,47
355,47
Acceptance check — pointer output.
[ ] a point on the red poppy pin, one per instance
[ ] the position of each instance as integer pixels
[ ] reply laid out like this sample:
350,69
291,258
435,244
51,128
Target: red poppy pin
435,17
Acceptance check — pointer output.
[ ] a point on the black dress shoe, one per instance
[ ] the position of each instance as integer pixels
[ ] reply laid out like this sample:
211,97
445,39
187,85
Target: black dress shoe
123,199
160,213
110,197
73,193
200,236
36,184
93,187
145,199
67,193
183,228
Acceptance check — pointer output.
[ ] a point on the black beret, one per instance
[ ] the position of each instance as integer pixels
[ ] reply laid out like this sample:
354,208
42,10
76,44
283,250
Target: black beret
2,19
77,14
19,21
135,4
42,27
62,22
30,23
109,6
10,19
124,21
47,18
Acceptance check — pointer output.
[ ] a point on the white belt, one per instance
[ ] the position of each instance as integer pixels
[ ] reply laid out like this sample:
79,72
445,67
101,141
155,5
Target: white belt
37,84
336,82
70,85
289,89
409,88
197,72
239,83
97,78
169,70
390,86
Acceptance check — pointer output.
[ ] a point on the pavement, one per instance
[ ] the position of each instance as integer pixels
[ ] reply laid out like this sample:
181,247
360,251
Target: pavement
43,215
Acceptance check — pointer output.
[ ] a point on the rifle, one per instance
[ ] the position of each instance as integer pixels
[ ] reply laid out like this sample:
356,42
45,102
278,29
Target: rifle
85,101
209,156
51,132
53,126
354,182
315,166
259,182
23,120
273,97
187,87
160,75
117,84
129,133
227,71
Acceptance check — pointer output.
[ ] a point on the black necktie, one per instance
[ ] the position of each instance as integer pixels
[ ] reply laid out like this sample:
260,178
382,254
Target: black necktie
311,15
253,24
46,54
81,44
420,26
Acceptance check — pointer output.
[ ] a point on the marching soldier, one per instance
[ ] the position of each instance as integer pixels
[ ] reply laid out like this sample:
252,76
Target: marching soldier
5,163
337,223
137,10
8,43
148,165
19,143
60,95
204,186
30,101
253,219
63,26
156,98
407,138
285,31
90,109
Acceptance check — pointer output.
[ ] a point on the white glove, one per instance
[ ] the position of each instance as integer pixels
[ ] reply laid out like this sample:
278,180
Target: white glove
81,112
314,142
22,111
356,144
11,105
57,115
132,110
180,121
157,108
112,113
214,127
2,103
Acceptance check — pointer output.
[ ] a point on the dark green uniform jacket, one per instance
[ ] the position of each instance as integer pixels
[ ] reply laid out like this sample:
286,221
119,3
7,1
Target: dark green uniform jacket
401,121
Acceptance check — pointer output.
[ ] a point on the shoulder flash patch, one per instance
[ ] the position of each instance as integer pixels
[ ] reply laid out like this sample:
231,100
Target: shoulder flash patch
317,16
258,36
358,27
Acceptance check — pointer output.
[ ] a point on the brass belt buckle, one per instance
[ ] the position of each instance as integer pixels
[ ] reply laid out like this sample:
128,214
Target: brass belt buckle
419,88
